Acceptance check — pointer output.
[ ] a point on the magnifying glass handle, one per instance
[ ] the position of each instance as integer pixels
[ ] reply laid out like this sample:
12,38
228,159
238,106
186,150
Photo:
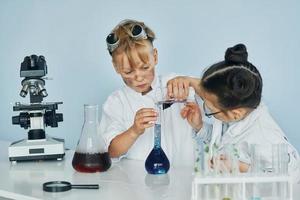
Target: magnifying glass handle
89,186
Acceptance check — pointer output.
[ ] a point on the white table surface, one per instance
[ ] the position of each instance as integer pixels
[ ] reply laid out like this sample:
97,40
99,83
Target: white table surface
125,180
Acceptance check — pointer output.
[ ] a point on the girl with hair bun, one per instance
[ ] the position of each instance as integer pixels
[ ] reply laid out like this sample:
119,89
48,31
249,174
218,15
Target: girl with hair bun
231,92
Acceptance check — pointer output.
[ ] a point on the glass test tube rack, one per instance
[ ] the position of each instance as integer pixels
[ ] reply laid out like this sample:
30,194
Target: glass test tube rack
242,187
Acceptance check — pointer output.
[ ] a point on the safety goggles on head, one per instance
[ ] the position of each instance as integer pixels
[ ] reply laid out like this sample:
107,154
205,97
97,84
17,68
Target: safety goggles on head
137,32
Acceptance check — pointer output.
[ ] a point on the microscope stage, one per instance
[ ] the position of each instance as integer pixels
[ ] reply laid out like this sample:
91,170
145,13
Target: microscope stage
44,149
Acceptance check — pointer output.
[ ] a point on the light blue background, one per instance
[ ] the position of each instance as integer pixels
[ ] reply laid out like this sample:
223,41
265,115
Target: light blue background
191,35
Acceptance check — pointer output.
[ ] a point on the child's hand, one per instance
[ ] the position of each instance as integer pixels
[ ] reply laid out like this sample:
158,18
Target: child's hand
144,118
178,88
225,165
221,163
192,113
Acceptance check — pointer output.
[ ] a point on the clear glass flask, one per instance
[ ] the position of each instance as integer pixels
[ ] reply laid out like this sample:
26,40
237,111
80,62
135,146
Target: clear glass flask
157,162
91,154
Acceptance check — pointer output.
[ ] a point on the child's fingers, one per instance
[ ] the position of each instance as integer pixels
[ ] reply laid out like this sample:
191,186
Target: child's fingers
186,89
170,90
190,116
146,112
192,105
184,111
147,120
181,91
183,114
148,125
175,90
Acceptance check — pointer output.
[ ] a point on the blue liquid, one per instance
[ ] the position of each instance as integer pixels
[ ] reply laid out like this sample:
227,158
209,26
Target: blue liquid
157,162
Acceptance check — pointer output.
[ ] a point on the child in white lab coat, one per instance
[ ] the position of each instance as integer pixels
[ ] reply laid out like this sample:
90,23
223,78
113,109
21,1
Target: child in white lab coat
128,115
231,92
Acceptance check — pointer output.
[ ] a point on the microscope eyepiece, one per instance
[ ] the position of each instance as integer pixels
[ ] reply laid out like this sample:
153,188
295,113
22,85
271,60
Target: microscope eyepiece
33,67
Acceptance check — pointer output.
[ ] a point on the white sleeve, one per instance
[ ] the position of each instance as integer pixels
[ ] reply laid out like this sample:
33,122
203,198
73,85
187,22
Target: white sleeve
112,121
204,133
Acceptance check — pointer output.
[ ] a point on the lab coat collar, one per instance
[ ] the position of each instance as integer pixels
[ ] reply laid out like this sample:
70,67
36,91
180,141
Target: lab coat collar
235,129
238,128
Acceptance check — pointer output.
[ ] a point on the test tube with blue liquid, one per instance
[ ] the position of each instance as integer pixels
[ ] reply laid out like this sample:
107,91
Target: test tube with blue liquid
157,162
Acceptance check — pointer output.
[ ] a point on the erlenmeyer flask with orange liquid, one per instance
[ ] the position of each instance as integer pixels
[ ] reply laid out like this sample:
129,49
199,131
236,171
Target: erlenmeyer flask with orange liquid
91,154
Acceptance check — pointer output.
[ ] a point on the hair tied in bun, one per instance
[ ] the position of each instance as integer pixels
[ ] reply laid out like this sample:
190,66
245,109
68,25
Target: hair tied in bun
237,54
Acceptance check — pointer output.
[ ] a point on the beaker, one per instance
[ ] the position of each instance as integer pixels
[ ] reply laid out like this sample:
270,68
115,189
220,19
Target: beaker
91,154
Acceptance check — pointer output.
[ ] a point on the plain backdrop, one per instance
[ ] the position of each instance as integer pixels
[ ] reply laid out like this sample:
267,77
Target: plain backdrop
191,35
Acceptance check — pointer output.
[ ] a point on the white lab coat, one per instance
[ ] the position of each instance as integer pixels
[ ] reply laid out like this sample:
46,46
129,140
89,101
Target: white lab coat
257,128
118,115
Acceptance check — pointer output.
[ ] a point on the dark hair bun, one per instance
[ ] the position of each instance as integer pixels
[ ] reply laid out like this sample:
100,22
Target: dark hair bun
237,54
241,83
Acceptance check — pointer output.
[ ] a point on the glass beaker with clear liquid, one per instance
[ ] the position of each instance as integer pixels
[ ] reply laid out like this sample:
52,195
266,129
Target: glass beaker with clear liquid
157,162
91,154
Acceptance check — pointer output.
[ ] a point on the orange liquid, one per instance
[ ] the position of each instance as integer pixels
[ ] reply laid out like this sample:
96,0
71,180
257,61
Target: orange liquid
90,163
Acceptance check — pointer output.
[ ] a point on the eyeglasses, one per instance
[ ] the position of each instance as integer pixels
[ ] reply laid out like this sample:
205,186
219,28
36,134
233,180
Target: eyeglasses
208,112
137,33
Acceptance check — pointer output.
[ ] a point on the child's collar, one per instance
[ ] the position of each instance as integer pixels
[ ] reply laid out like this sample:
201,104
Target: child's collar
239,127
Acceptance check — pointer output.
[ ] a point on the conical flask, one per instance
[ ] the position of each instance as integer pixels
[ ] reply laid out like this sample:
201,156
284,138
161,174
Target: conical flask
91,154
157,162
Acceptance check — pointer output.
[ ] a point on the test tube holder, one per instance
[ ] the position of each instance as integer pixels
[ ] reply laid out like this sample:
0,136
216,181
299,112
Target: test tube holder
201,180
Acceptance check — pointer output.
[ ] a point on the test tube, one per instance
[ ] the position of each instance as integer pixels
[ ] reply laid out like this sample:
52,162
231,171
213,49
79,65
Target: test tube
199,156
280,158
256,169
261,159
226,192
255,192
205,193
217,191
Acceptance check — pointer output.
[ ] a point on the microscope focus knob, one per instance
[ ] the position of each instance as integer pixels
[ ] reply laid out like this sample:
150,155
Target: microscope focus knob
59,117
52,118
23,120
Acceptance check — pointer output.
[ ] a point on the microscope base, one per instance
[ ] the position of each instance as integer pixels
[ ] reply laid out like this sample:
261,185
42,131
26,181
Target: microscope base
29,150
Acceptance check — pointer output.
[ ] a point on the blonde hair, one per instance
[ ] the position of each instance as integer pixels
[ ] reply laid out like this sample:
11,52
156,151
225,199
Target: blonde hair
127,43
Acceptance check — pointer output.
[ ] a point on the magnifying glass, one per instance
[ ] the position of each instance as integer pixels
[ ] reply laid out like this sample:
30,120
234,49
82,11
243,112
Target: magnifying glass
61,186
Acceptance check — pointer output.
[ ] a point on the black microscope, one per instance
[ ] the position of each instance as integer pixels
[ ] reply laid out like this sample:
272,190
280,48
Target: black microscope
36,116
